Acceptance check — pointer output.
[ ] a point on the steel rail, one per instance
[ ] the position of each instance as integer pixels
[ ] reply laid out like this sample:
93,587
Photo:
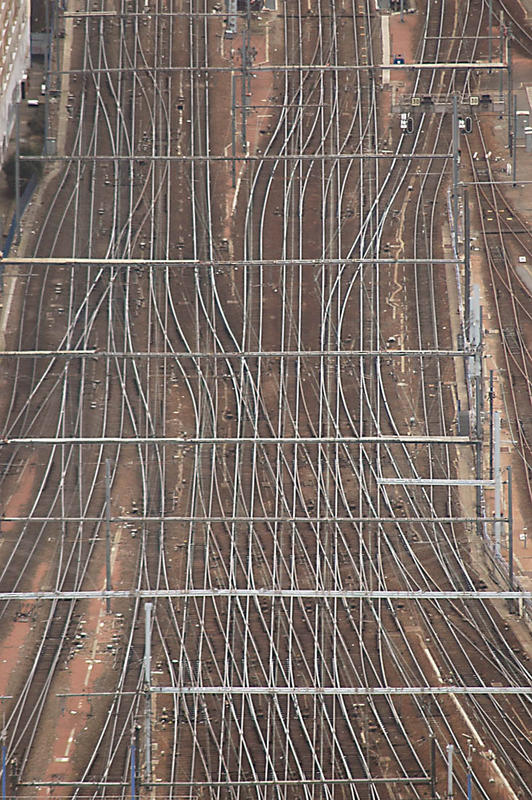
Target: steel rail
88,478
240,496
450,639
34,692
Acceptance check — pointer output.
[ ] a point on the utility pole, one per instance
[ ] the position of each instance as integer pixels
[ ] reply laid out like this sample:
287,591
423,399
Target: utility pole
245,34
467,261
250,53
108,585
469,770
491,398
46,76
450,750
133,765
231,18
510,532
17,172
456,160
501,50
497,478
490,25
233,129
4,759
514,141
137,752
147,688
433,767
509,87
480,363
478,430
475,328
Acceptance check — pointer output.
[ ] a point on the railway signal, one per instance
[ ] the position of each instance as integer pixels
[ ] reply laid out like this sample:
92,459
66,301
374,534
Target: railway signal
407,123
465,124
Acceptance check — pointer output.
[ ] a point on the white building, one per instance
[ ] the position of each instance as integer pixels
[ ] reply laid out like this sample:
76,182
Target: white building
14,62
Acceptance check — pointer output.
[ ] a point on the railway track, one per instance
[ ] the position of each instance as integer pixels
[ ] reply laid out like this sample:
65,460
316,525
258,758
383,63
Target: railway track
244,745
503,238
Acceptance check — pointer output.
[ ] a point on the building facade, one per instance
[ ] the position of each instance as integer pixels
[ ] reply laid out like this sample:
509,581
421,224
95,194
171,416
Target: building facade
14,62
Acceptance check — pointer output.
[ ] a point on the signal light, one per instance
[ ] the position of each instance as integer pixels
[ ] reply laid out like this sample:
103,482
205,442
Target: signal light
465,124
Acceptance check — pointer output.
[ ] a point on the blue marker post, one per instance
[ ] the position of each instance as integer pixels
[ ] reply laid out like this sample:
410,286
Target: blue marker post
469,772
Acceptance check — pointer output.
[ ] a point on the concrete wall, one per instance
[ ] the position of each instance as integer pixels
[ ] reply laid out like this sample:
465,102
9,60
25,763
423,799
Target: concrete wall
14,62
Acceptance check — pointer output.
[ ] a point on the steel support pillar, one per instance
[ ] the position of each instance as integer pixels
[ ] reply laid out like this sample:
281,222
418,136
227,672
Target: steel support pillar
231,18
4,765
497,479
469,771
511,136
108,584
148,692
510,532
456,161
17,172
433,767
501,53
233,130
450,751
490,33
491,397
467,263
514,141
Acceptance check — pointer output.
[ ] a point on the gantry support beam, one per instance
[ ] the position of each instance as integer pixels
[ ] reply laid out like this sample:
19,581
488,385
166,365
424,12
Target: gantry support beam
336,691
149,14
468,353
143,157
193,262
197,441
258,593
434,482
248,784
273,519
205,70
